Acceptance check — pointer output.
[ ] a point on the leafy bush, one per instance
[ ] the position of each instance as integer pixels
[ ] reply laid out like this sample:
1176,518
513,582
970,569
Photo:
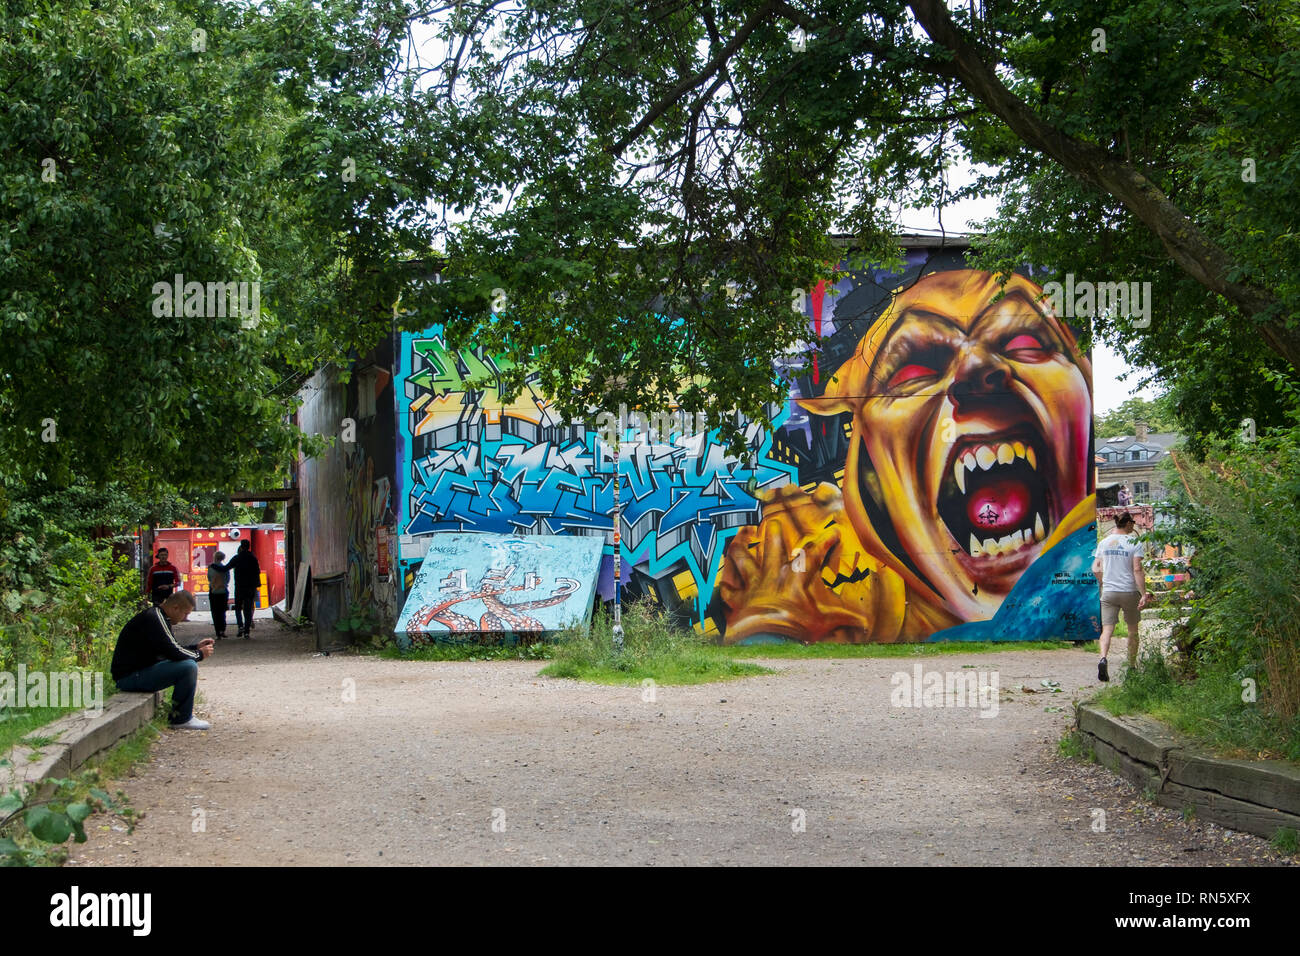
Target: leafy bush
62,602
1243,520
1248,564
33,828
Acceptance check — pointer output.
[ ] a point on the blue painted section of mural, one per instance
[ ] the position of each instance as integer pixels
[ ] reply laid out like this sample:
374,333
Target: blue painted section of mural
476,464
1055,599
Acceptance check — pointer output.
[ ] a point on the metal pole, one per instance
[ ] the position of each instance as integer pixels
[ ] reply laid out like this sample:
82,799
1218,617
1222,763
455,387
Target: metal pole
618,537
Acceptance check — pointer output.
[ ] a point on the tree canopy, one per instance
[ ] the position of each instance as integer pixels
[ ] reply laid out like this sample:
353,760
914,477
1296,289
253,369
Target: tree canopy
1157,413
1147,141
635,195
152,151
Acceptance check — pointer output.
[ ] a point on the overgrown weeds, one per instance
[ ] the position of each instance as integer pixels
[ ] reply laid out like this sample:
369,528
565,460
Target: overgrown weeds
1236,684
653,649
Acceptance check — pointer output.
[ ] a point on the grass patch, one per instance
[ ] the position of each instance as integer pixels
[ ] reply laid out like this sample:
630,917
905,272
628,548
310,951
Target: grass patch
669,655
1286,840
1072,746
652,650
121,760
466,651
1209,710
18,725
114,764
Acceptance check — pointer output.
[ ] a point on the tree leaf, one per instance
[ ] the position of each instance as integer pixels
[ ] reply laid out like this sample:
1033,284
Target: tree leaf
47,825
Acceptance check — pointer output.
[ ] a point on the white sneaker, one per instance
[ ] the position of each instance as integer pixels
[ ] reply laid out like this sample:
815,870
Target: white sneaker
193,724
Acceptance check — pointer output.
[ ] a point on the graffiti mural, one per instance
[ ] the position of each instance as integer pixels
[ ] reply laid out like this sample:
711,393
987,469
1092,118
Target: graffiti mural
929,478
475,464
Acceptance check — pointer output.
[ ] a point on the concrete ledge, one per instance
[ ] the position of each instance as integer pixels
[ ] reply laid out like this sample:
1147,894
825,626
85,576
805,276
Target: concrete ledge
1255,796
77,738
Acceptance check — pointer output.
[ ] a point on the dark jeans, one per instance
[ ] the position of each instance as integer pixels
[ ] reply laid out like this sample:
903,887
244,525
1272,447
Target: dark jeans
244,609
219,600
158,595
181,675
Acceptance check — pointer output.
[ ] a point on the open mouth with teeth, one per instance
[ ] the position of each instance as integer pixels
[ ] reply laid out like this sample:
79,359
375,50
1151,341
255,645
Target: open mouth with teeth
995,497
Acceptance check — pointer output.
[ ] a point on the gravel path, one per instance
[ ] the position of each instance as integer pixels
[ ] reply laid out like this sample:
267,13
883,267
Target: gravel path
468,763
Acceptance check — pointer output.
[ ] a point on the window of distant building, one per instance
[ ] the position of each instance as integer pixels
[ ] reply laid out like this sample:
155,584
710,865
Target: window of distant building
1135,455
1142,492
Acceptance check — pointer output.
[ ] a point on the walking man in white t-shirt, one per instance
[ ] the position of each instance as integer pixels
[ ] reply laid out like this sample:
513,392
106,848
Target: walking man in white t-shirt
1118,567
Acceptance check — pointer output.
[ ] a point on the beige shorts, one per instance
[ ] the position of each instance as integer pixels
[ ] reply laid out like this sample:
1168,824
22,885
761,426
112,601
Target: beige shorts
1112,602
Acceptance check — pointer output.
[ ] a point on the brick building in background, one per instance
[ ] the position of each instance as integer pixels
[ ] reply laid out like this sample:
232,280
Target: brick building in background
1134,460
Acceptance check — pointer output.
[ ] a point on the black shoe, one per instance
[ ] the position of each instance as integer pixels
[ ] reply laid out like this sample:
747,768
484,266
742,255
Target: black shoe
1102,673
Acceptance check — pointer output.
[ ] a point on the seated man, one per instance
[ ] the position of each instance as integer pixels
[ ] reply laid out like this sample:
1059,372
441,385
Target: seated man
149,658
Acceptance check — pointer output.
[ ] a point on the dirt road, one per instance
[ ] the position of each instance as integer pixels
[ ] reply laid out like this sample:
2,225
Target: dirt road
348,759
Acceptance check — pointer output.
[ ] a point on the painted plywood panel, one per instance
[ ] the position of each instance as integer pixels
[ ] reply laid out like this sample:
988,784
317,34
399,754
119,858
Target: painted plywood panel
473,583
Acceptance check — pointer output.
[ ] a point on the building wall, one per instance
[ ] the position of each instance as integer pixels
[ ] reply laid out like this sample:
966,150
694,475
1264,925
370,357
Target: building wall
322,481
847,522
1131,473
346,493
369,466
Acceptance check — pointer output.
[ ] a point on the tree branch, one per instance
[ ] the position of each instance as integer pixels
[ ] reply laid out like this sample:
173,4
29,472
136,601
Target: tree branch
691,82
1186,244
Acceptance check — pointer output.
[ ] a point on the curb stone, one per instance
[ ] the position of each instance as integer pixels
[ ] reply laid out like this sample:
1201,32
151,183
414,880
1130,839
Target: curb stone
78,737
1254,796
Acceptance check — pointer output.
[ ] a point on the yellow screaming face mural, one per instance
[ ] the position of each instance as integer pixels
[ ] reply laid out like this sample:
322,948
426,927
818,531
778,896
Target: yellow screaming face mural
968,459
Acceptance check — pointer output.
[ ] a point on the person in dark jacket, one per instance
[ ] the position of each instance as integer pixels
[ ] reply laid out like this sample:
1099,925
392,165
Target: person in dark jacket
248,578
163,578
149,658
219,593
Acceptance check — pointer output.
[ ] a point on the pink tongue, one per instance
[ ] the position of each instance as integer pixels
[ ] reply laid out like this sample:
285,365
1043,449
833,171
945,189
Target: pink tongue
1000,507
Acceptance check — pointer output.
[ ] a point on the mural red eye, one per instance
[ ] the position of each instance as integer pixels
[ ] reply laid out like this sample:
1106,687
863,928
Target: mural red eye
909,372
1024,343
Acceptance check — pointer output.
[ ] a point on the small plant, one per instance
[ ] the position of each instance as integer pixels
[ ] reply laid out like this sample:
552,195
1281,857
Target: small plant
1286,840
653,648
1074,747
33,830
361,623
1189,812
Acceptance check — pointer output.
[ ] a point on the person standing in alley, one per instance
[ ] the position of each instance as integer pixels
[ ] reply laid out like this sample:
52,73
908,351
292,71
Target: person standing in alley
1117,564
248,577
163,578
219,592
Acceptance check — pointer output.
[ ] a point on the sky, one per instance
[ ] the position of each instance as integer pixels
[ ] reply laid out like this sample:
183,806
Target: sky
1108,391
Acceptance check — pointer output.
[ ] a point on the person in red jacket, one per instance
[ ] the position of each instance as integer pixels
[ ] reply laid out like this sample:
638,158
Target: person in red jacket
163,578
